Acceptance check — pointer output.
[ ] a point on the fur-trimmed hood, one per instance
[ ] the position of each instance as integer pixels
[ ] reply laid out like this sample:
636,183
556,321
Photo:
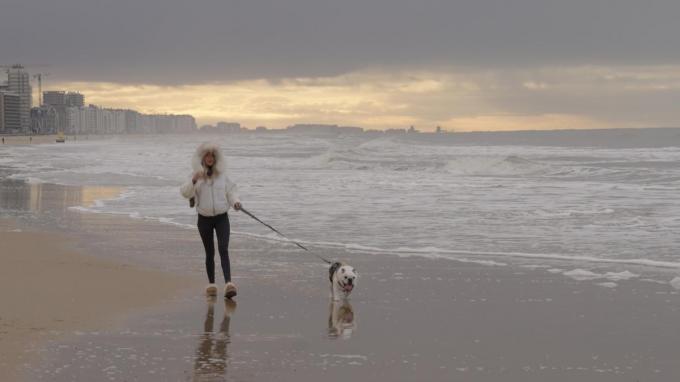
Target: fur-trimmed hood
220,163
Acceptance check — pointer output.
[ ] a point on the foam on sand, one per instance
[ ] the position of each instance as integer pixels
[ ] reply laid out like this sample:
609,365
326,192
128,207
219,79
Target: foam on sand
608,284
583,275
675,283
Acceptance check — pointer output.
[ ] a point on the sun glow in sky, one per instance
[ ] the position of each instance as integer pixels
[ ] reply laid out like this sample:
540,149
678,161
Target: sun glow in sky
456,99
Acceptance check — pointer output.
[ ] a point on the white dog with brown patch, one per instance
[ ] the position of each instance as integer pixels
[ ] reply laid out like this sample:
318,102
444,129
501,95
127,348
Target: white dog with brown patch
343,280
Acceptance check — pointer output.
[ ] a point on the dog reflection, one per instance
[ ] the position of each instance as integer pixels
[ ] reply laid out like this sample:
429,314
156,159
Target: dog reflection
341,320
211,354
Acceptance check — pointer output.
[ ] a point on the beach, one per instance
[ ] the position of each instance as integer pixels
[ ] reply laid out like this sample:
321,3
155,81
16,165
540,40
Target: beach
411,318
120,297
48,288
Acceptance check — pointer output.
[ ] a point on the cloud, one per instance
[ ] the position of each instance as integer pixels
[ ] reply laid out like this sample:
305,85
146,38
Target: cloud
206,41
454,98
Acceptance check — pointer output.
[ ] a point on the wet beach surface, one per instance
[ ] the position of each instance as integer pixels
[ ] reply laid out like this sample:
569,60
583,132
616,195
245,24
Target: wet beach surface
408,319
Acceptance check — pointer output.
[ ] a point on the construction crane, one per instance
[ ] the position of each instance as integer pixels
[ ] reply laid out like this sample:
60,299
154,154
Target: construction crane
22,66
7,66
38,76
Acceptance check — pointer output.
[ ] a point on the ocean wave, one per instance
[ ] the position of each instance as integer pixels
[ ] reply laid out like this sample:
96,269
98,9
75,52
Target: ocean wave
543,213
501,198
356,160
433,252
494,166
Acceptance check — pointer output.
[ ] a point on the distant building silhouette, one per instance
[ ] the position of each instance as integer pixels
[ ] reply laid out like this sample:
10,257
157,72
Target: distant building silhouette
45,120
19,83
54,98
96,120
228,127
207,129
57,101
10,113
74,99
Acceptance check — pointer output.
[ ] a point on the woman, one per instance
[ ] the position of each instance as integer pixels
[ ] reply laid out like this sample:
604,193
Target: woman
213,194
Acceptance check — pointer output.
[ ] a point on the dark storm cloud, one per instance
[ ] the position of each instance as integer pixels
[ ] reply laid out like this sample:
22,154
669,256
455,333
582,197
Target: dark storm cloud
173,41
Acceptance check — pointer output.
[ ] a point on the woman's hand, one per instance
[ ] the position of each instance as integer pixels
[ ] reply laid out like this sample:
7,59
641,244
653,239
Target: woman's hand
198,175
237,206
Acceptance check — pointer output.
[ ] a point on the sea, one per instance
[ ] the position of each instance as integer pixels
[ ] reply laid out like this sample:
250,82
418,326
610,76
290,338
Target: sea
605,198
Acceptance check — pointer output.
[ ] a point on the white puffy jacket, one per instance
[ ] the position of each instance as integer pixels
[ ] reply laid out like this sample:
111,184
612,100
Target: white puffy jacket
213,195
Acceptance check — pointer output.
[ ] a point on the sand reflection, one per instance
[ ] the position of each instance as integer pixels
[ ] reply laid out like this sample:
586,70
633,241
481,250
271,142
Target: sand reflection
211,354
341,320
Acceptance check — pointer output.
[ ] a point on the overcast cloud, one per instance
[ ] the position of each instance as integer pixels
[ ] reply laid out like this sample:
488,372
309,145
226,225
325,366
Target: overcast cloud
179,41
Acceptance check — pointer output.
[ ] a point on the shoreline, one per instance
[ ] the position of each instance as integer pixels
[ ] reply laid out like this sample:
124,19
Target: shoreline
637,137
84,197
28,139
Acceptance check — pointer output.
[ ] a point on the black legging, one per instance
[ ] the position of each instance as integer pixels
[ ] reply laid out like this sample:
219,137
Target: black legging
206,225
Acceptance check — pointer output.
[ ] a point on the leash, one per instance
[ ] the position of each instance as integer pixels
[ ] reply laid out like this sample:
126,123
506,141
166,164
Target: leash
284,236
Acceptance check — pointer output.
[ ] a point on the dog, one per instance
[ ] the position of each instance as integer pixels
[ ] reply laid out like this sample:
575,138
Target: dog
343,280
341,320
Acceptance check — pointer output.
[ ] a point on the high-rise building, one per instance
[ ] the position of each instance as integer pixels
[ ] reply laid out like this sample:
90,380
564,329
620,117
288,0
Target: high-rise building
2,112
44,120
74,99
58,100
10,117
54,98
19,83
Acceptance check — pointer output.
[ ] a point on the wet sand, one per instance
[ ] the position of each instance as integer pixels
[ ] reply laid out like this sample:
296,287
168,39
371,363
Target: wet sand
47,288
408,319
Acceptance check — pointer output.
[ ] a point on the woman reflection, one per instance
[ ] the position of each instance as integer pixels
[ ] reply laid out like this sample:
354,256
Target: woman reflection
211,354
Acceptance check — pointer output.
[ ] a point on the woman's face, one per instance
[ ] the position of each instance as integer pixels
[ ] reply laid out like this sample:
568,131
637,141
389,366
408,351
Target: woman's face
209,159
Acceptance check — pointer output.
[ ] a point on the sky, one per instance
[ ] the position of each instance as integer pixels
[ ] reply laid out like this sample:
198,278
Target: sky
462,65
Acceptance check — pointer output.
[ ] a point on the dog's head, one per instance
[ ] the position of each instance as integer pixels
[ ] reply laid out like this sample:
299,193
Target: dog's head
346,277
